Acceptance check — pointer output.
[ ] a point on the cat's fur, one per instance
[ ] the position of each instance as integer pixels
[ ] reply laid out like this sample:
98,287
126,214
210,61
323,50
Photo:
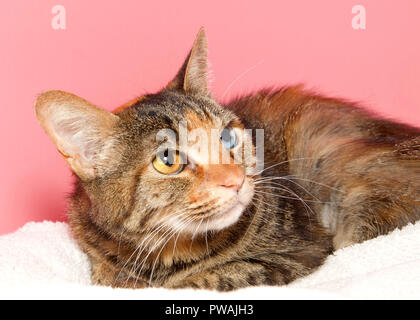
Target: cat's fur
335,175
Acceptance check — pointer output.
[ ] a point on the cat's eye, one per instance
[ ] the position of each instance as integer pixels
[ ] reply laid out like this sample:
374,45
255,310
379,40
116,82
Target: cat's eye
168,162
228,138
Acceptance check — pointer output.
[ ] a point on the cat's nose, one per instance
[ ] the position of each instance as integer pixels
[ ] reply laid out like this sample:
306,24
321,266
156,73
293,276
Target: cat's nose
233,184
233,181
229,176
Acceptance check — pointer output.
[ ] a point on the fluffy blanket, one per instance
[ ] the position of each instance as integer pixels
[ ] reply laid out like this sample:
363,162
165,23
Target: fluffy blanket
42,260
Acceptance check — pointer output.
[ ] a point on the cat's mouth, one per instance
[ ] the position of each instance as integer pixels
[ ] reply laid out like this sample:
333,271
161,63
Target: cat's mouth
228,213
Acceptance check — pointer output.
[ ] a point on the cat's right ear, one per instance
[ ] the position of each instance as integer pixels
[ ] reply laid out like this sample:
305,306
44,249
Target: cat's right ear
82,132
192,78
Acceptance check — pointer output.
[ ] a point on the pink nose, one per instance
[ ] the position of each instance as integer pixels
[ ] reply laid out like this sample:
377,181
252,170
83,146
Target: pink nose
234,183
229,176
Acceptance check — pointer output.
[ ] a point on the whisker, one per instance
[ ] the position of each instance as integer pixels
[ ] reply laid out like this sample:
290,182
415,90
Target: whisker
207,229
193,236
119,241
280,163
164,234
294,182
298,198
252,220
173,215
258,190
168,238
239,77
270,178
270,204
146,240
305,204
316,182
284,188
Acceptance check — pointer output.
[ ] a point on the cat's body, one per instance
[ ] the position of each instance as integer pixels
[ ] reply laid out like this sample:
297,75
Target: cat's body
334,175
360,173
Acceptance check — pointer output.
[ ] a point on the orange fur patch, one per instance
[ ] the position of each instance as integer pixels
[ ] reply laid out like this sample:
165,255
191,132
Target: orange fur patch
195,122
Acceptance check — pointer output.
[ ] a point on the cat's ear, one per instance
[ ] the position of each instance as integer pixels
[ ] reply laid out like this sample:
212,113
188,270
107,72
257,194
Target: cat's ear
192,77
82,132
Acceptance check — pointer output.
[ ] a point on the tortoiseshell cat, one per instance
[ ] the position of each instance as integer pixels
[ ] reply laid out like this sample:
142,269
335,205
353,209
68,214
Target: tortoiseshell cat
334,176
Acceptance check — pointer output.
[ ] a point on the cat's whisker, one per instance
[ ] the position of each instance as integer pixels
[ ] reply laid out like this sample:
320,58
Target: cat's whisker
207,243
162,235
285,197
239,77
176,230
294,182
134,268
280,163
172,215
315,182
125,264
270,178
258,190
298,198
188,221
269,204
176,240
119,241
309,193
283,188
251,223
305,204
168,238
195,232
290,160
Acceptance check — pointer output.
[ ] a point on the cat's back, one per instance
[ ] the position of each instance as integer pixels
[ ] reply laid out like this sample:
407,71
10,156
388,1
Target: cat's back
288,111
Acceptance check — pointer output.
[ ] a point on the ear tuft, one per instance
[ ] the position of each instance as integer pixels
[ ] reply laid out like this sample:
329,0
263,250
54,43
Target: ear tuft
192,77
81,131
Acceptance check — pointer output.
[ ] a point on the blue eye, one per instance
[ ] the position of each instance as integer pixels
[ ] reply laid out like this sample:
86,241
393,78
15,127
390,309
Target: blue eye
228,138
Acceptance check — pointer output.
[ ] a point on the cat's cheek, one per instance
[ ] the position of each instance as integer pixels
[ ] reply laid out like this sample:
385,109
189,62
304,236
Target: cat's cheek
246,193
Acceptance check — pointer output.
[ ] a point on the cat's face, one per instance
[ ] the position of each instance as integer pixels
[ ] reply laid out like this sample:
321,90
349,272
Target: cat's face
175,159
179,182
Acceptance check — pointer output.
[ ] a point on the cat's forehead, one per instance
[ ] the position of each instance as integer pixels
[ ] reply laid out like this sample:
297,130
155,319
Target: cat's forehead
169,110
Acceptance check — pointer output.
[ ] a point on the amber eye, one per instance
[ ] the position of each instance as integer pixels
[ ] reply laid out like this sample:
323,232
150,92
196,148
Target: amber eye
168,162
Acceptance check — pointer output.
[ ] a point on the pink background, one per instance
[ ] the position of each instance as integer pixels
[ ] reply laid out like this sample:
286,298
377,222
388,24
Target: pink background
113,51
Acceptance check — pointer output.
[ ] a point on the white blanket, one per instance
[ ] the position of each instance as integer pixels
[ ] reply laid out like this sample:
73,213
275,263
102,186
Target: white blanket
42,260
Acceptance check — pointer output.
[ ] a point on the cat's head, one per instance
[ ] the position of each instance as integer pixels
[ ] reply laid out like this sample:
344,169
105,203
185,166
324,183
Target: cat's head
135,165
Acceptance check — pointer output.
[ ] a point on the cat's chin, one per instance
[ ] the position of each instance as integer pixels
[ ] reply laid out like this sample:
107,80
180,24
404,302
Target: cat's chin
218,221
229,216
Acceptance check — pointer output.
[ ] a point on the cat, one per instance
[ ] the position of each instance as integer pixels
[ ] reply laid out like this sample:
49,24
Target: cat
334,175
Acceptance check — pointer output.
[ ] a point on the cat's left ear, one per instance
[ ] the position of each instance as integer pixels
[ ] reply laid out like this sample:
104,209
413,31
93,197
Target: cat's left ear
192,77
83,133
